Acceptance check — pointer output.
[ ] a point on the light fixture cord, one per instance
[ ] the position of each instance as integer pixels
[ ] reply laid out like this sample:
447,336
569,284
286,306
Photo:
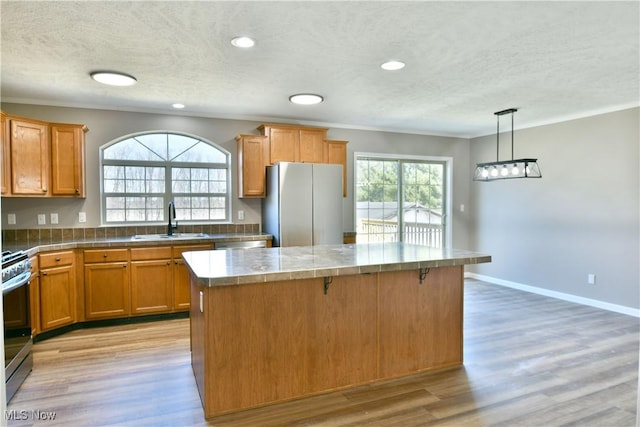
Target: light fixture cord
512,135
498,139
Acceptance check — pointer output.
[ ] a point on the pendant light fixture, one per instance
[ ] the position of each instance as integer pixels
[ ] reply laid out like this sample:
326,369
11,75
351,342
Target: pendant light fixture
507,169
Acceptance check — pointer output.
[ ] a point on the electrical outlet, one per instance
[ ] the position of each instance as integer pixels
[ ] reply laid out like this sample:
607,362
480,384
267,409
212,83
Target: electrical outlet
42,219
11,219
82,217
240,215
461,207
591,279
54,218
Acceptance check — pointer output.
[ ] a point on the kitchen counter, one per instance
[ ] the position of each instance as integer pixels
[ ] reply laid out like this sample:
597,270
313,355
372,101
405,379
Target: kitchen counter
223,268
275,324
131,241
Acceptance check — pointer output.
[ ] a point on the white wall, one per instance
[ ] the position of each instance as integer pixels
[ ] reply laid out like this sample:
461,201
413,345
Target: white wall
581,217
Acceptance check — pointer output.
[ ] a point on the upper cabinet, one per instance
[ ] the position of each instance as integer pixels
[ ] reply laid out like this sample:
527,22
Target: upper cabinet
67,160
293,143
284,143
41,159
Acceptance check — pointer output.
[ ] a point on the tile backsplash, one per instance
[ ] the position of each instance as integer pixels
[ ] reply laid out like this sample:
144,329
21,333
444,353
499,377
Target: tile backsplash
44,236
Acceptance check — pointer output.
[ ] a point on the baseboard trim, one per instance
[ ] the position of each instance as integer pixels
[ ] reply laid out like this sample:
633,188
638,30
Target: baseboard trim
629,311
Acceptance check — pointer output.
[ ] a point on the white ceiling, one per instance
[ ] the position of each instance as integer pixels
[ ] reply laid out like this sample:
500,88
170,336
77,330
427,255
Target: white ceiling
465,60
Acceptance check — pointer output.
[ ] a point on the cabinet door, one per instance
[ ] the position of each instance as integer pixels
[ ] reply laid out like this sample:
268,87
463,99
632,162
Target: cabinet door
283,145
5,165
57,297
67,160
312,145
29,158
106,290
337,153
151,290
251,165
181,276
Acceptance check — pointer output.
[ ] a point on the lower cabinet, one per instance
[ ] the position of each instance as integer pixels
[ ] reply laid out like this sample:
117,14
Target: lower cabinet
106,283
151,280
181,291
57,289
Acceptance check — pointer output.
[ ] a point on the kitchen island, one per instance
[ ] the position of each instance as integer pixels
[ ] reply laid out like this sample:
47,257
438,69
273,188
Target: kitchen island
275,324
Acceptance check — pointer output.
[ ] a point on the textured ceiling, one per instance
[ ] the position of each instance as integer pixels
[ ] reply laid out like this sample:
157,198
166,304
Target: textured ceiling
465,60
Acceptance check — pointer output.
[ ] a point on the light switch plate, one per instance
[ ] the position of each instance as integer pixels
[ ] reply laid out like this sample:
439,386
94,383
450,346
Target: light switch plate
54,218
11,219
82,217
240,215
42,219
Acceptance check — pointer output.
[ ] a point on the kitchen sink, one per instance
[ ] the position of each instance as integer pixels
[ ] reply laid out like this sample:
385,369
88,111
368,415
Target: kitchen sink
167,237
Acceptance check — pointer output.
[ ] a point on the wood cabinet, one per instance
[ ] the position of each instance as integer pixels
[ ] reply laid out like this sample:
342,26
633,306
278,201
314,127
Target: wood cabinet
5,166
106,283
29,158
287,143
284,143
151,280
336,153
252,151
181,297
41,159
57,289
67,160
34,296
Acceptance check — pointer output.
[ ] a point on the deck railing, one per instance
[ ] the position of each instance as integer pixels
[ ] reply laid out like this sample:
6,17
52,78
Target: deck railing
376,230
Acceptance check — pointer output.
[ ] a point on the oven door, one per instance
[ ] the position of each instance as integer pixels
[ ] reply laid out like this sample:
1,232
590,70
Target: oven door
17,331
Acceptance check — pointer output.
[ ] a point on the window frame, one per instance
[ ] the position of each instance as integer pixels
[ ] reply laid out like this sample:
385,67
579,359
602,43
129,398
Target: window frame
168,165
447,185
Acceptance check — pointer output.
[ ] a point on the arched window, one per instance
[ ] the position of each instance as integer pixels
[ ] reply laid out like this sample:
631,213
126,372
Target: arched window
142,173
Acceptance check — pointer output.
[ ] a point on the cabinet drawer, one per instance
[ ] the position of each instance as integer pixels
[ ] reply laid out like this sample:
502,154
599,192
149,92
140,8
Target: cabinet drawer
177,250
56,259
105,255
150,253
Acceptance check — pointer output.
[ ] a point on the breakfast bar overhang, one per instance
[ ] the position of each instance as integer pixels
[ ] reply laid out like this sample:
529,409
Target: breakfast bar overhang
276,324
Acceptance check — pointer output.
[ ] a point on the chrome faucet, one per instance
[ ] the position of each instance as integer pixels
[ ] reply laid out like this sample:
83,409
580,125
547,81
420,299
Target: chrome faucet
173,222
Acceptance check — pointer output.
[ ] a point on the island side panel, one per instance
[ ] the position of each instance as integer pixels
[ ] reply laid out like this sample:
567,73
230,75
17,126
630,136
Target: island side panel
197,330
420,323
277,341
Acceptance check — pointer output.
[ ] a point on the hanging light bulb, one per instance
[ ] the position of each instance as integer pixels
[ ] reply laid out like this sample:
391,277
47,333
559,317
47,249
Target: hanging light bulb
515,170
485,172
504,171
494,171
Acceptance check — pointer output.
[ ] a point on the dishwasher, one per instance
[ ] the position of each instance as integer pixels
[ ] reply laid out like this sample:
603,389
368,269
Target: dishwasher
249,244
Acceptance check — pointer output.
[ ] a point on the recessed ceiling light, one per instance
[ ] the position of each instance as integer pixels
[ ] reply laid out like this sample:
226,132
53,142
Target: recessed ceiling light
243,41
113,78
178,106
392,65
306,99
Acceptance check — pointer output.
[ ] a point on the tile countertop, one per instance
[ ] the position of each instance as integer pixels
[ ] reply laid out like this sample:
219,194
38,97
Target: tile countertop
224,268
131,241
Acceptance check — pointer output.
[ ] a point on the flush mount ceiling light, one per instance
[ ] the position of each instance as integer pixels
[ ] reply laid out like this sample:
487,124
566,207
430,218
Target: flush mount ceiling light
243,42
306,99
507,169
392,65
178,106
113,78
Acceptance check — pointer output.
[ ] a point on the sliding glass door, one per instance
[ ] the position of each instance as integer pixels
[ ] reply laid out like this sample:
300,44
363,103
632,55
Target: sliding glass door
401,199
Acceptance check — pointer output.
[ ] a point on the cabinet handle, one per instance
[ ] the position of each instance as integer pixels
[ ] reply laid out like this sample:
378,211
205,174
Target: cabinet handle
168,262
44,190
44,273
77,191
105,255
57,259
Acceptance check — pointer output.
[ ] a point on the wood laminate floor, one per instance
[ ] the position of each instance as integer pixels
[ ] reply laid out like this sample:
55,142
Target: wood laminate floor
529,361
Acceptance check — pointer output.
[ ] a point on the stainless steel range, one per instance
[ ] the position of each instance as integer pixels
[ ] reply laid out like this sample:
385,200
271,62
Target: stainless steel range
18,361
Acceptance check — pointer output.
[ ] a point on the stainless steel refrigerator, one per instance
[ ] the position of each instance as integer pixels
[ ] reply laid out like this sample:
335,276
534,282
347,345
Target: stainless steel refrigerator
303,206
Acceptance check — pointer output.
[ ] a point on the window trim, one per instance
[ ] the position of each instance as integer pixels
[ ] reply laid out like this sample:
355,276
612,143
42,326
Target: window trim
448,184
154,163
